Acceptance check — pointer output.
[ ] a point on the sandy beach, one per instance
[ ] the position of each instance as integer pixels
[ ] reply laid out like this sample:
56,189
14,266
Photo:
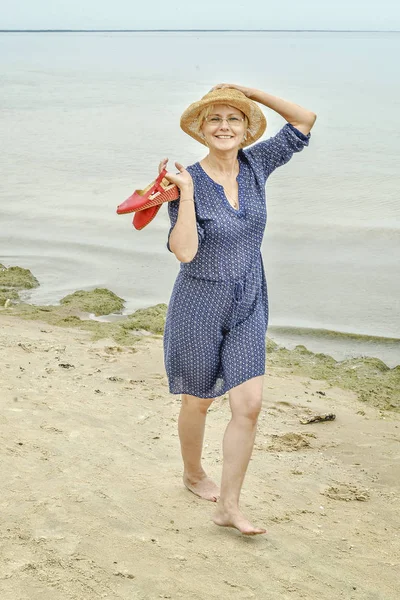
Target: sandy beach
93,505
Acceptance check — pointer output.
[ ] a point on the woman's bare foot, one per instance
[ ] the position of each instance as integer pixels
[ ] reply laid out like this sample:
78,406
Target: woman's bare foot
234,518
202,486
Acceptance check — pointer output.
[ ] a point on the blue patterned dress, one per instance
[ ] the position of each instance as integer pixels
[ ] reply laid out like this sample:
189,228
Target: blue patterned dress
217,316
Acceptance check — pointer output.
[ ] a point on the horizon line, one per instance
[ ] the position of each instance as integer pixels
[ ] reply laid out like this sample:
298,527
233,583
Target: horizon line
197,30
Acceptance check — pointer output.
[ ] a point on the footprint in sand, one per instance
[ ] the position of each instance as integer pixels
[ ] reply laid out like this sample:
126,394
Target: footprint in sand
289,442
346,492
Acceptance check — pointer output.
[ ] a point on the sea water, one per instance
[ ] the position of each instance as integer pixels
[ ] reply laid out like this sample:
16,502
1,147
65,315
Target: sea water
86,117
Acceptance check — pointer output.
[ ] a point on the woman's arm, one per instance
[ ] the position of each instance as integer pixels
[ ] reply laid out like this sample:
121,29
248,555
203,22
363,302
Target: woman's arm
296,115
183,240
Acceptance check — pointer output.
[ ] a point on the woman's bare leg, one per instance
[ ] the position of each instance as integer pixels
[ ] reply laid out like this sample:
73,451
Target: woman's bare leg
245,401
191,424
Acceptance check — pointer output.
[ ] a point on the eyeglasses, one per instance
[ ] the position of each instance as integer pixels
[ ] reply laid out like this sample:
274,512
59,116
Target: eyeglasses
232,121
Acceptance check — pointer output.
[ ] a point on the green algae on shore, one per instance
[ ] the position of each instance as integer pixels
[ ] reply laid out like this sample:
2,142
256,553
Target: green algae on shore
303,332
150,319
372,380
63,316
99,301
7,294
16,278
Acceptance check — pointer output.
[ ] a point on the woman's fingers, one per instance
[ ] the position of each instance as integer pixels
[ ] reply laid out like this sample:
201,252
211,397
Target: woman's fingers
162,165
182,178
220,86
246,91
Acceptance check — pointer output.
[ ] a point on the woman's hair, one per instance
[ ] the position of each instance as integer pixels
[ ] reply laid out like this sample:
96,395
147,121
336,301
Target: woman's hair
208,110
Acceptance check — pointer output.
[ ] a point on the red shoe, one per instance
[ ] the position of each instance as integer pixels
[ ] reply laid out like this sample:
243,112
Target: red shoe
171,192
143,217
159,191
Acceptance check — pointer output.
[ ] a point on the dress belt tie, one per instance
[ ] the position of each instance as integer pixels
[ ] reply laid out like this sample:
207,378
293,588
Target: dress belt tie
238,284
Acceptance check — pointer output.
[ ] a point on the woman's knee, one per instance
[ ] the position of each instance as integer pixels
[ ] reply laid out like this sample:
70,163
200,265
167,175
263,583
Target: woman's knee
195,403
248,408
253,408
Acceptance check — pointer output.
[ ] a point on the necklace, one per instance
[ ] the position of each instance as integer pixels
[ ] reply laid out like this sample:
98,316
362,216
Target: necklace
232,201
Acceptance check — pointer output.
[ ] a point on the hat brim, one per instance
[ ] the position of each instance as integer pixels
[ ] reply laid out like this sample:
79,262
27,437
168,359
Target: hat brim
232,97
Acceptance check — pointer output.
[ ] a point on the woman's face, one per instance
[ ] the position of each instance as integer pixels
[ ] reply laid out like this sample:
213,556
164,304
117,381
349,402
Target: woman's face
224,128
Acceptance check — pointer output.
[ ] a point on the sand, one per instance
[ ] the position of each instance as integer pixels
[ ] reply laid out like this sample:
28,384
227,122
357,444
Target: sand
93,506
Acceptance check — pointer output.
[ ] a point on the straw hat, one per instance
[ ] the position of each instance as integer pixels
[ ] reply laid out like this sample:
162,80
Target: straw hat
232,97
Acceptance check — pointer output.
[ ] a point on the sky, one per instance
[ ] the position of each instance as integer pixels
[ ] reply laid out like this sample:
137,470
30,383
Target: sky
200,14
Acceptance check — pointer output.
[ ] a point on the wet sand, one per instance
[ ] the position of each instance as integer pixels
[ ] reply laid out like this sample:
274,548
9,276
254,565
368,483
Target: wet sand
93,505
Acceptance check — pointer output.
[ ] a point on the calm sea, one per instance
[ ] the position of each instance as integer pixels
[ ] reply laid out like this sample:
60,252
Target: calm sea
86,117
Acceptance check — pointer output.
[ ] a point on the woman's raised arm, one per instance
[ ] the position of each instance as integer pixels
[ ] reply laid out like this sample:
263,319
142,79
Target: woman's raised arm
296,115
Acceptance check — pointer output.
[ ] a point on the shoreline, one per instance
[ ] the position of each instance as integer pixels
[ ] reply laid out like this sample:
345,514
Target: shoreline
369,377
340,345
342,337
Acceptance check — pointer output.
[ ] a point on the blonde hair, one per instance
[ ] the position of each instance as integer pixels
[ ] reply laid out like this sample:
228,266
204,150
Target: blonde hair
209,110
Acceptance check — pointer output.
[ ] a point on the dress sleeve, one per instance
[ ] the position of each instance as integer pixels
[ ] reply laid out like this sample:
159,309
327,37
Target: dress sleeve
277,150
173,208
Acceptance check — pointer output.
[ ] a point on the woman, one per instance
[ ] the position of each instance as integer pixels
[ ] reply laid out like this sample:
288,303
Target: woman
217,318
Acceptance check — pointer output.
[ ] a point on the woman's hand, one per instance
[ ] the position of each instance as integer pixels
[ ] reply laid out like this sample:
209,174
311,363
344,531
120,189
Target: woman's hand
183,179
245,90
